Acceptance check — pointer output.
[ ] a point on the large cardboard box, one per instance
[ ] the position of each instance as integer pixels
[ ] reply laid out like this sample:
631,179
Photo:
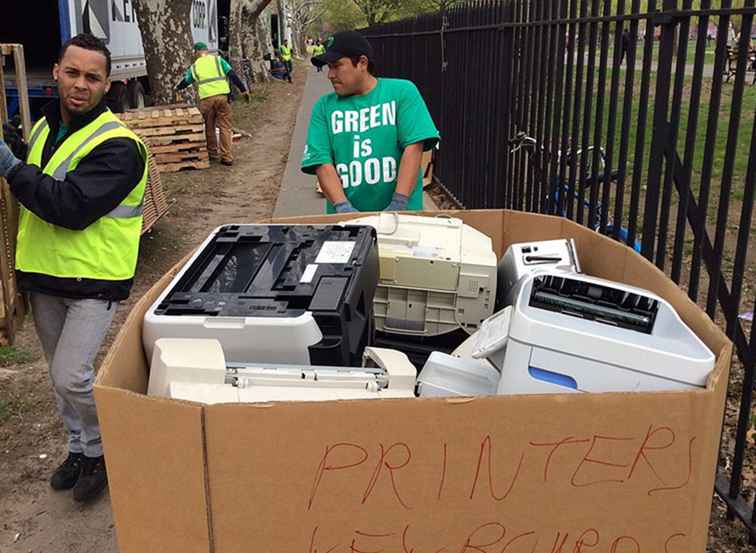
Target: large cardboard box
614,473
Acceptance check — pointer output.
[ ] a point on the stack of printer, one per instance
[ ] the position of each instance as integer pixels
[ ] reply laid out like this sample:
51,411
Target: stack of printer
288,313
274,313
437,282
565,332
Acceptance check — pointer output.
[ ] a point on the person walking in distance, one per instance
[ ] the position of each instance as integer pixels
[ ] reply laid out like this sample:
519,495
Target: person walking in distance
366,139
318,50
286,57
80,190
210,73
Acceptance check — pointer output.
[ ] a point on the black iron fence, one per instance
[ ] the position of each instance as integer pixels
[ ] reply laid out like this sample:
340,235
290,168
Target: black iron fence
634,119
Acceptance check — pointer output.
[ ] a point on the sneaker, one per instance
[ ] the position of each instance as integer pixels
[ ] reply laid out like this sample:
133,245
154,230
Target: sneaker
93,478
67,474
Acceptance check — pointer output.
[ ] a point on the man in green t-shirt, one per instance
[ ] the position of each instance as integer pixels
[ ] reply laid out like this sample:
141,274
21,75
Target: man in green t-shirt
366,139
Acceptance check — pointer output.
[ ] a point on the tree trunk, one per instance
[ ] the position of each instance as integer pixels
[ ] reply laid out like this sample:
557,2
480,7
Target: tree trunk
167,40
299,40
247,39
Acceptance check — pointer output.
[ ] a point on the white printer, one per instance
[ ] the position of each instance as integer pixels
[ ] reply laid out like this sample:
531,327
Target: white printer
297,294
197,370
437,275
531,257
577,333
459,374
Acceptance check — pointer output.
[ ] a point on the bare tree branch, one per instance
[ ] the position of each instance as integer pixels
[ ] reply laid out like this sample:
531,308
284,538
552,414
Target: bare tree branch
377,11
302,13
248,40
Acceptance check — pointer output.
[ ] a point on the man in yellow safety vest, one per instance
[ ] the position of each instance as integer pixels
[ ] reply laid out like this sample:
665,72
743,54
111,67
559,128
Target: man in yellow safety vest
286,58
210,73
81,190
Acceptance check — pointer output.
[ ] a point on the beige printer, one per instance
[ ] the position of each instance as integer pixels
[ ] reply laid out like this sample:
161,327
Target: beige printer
437,274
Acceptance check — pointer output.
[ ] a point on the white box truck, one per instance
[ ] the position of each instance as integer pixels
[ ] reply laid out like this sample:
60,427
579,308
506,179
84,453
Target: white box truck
42,26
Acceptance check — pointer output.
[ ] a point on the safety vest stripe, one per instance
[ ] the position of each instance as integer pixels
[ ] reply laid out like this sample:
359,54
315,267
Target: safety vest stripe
218,67
211,80
35,135
62,169
126,211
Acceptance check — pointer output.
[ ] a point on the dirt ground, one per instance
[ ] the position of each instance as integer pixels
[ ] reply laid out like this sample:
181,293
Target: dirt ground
34,518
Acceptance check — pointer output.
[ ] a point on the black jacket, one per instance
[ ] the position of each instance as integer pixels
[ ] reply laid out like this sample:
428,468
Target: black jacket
99,183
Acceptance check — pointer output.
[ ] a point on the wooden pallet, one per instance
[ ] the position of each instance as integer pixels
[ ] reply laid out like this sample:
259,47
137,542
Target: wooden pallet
170,130
195,139
175,167
177,157
162,106
155,203
176,147
158,121
175,134
12,305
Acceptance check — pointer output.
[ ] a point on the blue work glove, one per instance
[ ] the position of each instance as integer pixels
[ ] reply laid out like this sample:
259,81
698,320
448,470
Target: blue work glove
7,160
344,207
398,202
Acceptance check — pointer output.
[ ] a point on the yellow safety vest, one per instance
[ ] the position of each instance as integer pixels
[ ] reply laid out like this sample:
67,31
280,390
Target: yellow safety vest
285,53
105,250
208,74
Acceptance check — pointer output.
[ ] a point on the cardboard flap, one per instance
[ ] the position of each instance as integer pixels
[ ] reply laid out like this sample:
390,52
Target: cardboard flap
385,474
154,451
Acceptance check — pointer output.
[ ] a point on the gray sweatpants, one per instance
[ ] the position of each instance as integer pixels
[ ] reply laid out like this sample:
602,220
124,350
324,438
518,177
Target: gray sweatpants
71,332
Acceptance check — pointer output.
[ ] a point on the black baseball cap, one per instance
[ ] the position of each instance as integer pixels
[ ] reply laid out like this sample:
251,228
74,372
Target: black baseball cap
346,44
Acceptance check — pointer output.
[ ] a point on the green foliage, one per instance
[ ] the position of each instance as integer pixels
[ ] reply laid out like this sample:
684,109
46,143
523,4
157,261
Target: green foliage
10,356
412,8
342,15
351,14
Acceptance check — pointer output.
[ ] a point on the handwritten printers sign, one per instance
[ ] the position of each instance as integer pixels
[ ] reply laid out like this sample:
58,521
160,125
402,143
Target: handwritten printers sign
427,486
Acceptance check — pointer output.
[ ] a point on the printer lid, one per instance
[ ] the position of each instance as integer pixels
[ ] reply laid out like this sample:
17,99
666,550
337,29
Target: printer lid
493,334
416,236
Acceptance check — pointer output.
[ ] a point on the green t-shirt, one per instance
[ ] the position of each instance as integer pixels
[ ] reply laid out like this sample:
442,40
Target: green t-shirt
364,138
62,130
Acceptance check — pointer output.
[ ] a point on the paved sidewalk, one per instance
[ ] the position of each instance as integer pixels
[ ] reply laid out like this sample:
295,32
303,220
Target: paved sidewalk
297,195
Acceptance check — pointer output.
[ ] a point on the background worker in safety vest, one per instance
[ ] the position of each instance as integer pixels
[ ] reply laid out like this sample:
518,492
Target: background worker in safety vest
284,67
286,58
211,73
318,50
81,191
